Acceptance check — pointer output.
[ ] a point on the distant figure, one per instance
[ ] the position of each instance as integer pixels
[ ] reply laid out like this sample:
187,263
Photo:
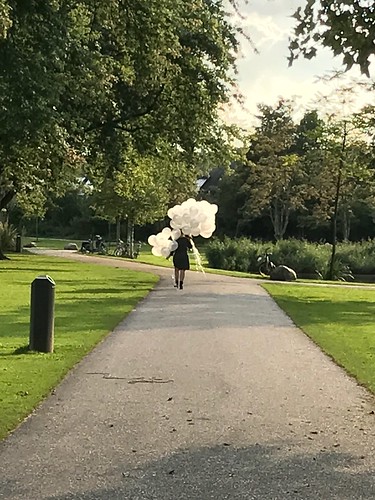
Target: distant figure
181,260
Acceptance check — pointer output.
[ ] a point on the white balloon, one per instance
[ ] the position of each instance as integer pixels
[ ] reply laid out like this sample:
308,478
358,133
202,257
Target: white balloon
178,220
188,203
165,252
177,210
205,204
194,222
161,240
195,231
152,240
186,229
171,212
193,211
214,208
176,233
174,246
174,225
206,226
167,231
201,217
206,234
156,251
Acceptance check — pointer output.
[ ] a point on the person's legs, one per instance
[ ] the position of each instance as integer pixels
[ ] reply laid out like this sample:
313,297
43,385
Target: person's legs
176,272
182,277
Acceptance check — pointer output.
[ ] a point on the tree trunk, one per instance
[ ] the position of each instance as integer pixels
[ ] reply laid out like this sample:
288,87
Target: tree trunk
6,199
37,228
346,225
330,275
131,238
2,256
280,218
118,228
3,220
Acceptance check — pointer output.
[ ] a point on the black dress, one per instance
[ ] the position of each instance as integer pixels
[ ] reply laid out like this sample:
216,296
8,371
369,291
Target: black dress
180,255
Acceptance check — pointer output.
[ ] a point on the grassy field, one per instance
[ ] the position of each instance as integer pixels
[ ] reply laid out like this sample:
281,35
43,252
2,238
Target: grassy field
339,319
89,302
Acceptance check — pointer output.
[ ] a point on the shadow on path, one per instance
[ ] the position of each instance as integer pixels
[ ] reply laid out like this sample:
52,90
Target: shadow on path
256,472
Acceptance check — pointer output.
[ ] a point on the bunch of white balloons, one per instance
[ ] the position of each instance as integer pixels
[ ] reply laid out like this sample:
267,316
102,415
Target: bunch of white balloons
194,217
191,217
164,242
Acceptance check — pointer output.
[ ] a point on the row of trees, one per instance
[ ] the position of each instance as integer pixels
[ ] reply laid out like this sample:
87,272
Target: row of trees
123,95
311,177
317,173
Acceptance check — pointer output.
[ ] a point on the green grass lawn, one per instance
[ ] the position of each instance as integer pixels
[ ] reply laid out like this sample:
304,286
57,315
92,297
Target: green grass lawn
90,300
339,319
51,243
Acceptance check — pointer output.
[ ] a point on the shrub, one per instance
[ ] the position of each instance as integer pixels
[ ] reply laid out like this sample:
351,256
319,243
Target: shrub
8,235
340,271
304,257
215,254
359,257
234,255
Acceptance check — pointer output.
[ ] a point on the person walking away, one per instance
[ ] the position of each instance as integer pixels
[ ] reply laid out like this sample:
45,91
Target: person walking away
181,260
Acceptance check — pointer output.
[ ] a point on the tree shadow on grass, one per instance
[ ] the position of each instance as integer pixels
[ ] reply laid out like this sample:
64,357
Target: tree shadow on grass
22,350
350,312
103,289
256,472
37,269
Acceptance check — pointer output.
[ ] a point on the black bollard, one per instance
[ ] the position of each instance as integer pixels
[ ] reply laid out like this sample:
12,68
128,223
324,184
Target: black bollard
42,313
18,243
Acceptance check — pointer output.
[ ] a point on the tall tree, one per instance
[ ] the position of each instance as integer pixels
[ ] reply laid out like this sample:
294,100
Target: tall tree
275,175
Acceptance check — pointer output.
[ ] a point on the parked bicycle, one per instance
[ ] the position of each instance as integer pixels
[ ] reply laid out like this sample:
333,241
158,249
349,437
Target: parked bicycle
121,250
265,263
124,250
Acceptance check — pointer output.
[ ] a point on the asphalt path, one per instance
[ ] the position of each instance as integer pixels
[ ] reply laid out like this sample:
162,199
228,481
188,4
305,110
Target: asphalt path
210,392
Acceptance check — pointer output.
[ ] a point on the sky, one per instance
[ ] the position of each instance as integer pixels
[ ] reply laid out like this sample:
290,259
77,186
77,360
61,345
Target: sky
265,77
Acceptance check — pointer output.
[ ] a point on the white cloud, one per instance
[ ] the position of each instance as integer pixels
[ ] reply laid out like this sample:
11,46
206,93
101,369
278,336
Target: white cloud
265,77
262,29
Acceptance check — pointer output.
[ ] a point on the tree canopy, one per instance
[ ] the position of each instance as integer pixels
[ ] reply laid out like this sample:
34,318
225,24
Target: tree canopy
317,172
85,80
347,27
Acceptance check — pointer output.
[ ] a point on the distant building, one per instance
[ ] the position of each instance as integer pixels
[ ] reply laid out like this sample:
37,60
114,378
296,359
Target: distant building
210,182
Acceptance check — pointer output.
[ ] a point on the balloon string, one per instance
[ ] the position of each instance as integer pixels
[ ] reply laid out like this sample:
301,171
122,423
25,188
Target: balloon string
197,257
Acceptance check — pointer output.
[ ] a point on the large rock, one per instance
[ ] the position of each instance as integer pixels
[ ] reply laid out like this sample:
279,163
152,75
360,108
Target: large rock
283,273
71,246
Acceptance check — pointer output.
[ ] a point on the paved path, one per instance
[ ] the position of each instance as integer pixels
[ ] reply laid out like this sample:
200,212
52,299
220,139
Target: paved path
206,393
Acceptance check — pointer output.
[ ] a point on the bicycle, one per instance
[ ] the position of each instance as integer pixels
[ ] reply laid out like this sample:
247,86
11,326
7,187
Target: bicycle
265,264
121,250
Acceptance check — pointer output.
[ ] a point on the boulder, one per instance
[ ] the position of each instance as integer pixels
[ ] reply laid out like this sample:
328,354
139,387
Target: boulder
32,244
283,273
71,246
